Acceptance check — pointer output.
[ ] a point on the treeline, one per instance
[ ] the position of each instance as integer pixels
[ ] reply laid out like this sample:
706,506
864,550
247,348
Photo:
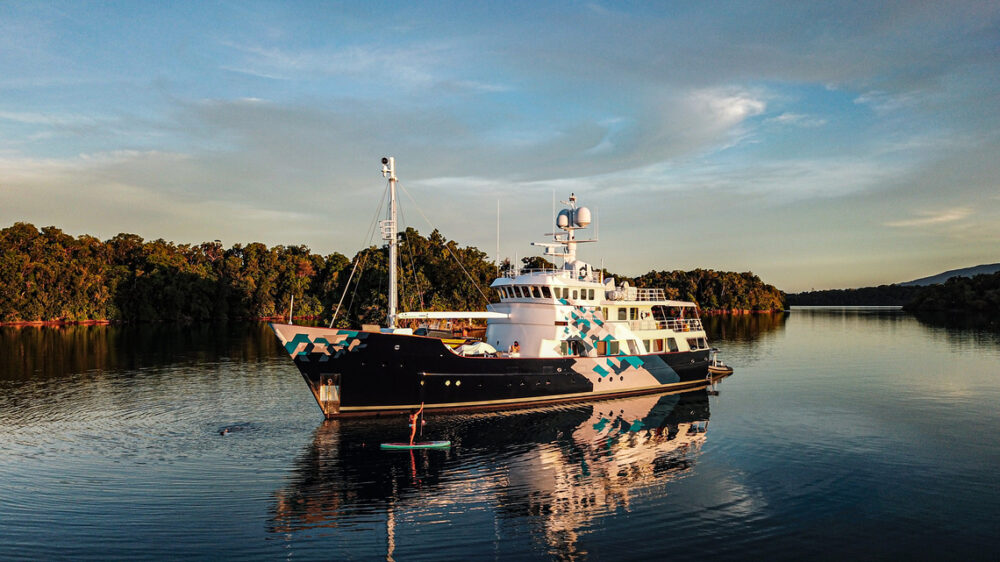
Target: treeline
47,275
978,294
725,291
883,295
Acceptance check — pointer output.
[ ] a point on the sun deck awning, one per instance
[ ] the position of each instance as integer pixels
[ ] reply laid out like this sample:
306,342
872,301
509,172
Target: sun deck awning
441,315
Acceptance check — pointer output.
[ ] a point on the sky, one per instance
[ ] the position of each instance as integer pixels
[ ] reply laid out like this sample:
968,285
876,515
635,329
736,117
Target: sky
819,145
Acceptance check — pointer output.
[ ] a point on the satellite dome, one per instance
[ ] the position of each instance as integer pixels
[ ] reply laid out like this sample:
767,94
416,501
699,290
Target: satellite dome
562,221
582,217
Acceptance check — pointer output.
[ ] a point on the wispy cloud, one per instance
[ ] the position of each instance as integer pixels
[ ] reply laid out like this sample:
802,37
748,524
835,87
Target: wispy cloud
885,102
929,218
797,120
421,65
32,118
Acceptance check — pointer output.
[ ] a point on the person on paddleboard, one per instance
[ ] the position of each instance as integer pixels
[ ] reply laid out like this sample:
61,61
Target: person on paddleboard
413,423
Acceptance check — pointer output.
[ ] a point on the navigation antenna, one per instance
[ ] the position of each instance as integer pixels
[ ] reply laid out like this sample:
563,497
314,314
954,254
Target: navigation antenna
568,220
388,227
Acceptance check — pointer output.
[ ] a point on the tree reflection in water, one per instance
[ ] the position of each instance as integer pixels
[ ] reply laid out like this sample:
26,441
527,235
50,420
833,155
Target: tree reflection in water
558,468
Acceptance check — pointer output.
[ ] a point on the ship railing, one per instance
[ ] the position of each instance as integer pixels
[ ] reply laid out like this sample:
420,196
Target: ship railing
554,271
682,324
675,324
650,294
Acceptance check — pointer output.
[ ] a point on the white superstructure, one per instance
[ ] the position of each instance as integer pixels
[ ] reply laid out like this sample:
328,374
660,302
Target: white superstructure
573,310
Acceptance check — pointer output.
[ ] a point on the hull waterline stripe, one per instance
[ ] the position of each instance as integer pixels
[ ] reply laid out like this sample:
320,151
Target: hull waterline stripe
551,398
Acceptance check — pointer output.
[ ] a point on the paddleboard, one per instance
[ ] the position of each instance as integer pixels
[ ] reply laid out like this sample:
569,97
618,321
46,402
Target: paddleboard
417,445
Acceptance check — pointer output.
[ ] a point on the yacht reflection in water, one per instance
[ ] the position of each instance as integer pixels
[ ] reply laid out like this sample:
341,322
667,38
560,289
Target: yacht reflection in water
561,467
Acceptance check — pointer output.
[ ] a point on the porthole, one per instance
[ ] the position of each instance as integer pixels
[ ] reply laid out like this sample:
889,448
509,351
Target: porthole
396,347
421,383
447,383
458,383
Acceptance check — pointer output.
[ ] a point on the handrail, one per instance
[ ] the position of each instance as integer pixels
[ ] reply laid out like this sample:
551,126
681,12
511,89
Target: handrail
644,294
675,324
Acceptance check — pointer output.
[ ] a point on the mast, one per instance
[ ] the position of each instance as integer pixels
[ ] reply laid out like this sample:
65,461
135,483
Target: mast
389,233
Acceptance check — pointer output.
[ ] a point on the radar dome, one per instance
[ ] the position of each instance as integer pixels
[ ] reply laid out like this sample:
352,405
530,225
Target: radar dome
562,221
582,217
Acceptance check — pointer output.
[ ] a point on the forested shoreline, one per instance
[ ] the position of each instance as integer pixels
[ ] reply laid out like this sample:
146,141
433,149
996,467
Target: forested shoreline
882,295
976,294
49,276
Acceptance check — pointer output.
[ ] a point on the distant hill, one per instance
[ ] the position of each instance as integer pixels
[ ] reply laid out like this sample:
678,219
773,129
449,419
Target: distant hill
964,272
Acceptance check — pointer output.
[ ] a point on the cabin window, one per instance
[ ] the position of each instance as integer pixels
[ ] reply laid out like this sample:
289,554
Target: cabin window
602,348
535,293
622,314
633,348
608,347
702,343
614,347
657,346
633,314
500,293
604,312
572,347
645,343
574,294
671,344
693,343
522,292
546,294
590,293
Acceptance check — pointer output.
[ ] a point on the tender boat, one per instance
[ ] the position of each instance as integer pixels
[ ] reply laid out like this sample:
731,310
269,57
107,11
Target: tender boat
553,335
716,368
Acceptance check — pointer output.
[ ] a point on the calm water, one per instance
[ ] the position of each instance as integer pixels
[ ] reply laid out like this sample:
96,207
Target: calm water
844,433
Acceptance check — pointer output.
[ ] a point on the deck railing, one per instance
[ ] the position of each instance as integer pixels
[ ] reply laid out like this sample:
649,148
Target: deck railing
675,324
650,295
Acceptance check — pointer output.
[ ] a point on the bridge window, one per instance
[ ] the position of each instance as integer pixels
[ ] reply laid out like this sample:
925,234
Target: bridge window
574,294
535,293
590,293
545,293
672,344
633,314
622,314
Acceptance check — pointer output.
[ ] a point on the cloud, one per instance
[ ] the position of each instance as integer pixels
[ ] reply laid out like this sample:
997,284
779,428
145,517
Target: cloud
884,102
414,66
796,119
930,218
